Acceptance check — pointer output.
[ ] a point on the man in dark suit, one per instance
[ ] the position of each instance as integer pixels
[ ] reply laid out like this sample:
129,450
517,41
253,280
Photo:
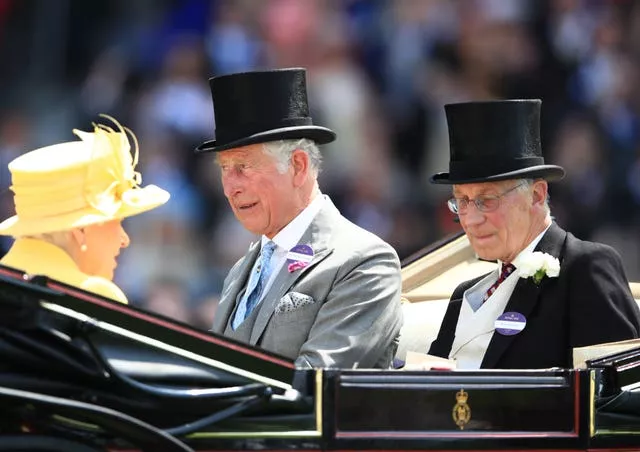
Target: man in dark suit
551,291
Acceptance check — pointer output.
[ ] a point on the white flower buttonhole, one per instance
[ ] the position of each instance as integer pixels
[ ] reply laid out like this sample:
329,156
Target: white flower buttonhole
537,265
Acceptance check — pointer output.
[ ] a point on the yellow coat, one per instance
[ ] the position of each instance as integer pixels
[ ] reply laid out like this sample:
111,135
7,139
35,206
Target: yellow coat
37,257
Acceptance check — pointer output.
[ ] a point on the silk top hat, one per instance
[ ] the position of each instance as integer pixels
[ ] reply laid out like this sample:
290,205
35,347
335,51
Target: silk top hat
261,106
495,140
78,183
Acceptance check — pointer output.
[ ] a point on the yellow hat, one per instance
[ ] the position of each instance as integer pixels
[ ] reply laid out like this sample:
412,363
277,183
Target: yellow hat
78,183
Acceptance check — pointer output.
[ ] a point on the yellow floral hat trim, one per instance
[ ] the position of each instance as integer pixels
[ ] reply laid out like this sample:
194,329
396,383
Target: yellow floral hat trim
78,183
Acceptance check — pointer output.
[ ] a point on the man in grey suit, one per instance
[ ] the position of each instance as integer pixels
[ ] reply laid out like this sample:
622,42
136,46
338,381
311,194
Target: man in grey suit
316,288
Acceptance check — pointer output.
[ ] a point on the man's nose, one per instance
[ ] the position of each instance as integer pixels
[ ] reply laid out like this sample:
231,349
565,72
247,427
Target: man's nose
231,185
472,216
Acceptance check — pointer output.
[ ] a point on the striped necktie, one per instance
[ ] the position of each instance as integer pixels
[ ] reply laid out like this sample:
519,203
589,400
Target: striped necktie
507,269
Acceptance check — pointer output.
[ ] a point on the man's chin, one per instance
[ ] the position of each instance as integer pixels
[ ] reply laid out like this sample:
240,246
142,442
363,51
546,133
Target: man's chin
485,253
251,228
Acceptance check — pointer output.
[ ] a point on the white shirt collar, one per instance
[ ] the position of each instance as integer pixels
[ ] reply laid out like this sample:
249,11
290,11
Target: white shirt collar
290,235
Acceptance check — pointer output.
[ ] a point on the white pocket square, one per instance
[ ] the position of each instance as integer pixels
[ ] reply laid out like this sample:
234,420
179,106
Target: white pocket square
292,301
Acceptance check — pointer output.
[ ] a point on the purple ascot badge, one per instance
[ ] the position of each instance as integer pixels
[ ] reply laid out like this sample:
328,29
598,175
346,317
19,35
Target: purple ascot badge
299,257
510,323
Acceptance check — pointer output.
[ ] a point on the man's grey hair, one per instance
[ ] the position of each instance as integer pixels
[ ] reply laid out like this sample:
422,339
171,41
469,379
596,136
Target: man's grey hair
282,150
526,184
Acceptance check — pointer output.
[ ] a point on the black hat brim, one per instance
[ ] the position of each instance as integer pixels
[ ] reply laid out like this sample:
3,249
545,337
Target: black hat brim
319,134
547,172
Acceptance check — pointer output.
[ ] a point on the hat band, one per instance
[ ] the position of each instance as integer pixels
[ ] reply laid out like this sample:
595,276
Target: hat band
48,198
31,208
244,130
486,168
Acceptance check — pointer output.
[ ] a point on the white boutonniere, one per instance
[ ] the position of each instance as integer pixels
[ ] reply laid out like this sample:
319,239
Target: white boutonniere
537,265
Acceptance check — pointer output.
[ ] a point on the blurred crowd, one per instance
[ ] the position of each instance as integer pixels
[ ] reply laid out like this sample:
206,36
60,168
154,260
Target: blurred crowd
379,73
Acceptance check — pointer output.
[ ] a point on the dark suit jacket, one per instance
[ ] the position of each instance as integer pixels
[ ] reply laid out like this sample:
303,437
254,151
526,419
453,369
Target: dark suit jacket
588,303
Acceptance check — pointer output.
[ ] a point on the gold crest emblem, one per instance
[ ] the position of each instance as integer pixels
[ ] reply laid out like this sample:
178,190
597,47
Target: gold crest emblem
461,410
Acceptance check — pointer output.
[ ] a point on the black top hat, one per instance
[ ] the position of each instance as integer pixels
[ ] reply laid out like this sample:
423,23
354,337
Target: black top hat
495,140
261,106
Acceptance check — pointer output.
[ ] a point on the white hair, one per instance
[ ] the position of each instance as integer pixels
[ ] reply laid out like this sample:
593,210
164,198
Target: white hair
282,150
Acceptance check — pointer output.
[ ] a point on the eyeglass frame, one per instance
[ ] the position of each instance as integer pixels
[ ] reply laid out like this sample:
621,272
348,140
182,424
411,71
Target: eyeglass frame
478,201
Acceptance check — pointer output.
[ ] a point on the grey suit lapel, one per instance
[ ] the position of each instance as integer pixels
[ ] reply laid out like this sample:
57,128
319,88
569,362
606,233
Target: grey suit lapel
237,280
525,295
317,236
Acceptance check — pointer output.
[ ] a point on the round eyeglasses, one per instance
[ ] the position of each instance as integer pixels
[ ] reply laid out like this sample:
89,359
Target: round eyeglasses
484,203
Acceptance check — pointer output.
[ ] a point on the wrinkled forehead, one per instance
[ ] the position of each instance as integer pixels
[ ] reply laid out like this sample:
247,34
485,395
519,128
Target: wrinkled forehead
483,188
242,154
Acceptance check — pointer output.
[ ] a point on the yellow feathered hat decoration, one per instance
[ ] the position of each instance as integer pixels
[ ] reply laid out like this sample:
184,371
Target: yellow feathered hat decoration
78,183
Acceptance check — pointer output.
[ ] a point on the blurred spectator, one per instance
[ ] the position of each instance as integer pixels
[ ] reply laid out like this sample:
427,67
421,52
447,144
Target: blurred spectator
580,199
103,89
168,296
204,311
231,44
180,99
14,141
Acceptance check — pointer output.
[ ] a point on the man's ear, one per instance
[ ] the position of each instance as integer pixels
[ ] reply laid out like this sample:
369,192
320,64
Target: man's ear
540,192
300,165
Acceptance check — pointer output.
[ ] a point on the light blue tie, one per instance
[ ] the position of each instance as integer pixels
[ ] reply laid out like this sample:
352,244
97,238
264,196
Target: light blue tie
257,281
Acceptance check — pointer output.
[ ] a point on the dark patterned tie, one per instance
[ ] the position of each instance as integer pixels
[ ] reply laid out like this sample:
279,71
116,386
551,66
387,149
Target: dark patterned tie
507,269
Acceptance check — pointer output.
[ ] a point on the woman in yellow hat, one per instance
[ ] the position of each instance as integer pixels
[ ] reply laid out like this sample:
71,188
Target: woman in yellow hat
70,199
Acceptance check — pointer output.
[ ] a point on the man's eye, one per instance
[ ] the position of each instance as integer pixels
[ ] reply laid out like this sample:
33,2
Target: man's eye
488,203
